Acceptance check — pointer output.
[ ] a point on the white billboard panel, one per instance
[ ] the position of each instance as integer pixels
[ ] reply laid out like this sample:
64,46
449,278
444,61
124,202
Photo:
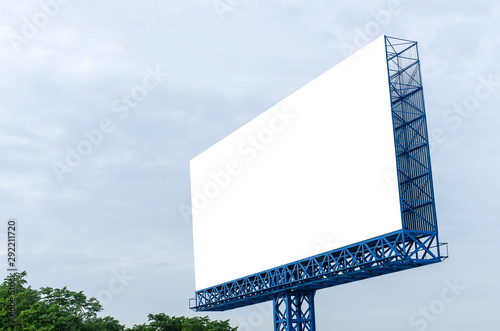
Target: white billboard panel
313,173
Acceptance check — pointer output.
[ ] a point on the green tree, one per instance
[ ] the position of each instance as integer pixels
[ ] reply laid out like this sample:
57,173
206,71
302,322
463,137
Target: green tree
219,326
162,322
23,297
50,309
53,309
103,324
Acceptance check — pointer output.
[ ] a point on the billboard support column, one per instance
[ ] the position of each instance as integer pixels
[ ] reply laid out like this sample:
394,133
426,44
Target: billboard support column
294,311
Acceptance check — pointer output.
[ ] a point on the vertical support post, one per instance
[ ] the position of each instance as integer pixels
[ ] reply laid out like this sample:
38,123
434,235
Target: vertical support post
294,311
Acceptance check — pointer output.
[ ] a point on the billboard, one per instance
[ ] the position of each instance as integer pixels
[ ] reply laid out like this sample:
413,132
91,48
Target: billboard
314,173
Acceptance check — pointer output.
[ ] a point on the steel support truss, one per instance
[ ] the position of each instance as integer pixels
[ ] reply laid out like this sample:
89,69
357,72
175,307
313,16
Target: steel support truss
294,311
291,287
393,252
410,136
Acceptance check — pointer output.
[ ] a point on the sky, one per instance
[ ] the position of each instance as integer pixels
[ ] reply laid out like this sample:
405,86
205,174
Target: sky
103,104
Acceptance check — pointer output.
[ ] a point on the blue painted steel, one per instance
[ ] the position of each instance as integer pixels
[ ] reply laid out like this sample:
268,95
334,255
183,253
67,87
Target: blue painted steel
410,136
381,255
292,286
294,311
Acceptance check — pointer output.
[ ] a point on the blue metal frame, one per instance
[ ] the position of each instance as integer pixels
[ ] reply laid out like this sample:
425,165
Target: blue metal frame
392,252
410,136
294,311
292,286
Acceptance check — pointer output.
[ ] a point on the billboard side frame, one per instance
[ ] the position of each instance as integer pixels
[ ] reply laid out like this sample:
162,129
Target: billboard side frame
418,212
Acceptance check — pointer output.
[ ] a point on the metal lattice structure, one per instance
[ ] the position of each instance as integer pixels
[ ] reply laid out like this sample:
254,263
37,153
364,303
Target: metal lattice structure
291,287
294,311
396,251
410,136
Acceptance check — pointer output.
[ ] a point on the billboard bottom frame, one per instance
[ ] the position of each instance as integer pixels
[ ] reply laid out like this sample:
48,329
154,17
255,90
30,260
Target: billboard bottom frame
393,252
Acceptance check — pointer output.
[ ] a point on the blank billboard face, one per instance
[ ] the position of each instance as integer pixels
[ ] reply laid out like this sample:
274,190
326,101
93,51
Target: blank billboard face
314,173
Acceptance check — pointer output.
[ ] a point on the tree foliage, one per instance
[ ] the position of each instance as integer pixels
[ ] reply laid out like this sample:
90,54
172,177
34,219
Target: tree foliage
162,322
53,309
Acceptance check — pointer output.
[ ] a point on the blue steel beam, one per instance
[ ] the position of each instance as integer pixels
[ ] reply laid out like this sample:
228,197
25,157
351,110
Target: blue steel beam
393,252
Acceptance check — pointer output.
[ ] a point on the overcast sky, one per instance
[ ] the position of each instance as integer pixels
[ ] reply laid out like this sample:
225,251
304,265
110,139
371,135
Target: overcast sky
103,104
